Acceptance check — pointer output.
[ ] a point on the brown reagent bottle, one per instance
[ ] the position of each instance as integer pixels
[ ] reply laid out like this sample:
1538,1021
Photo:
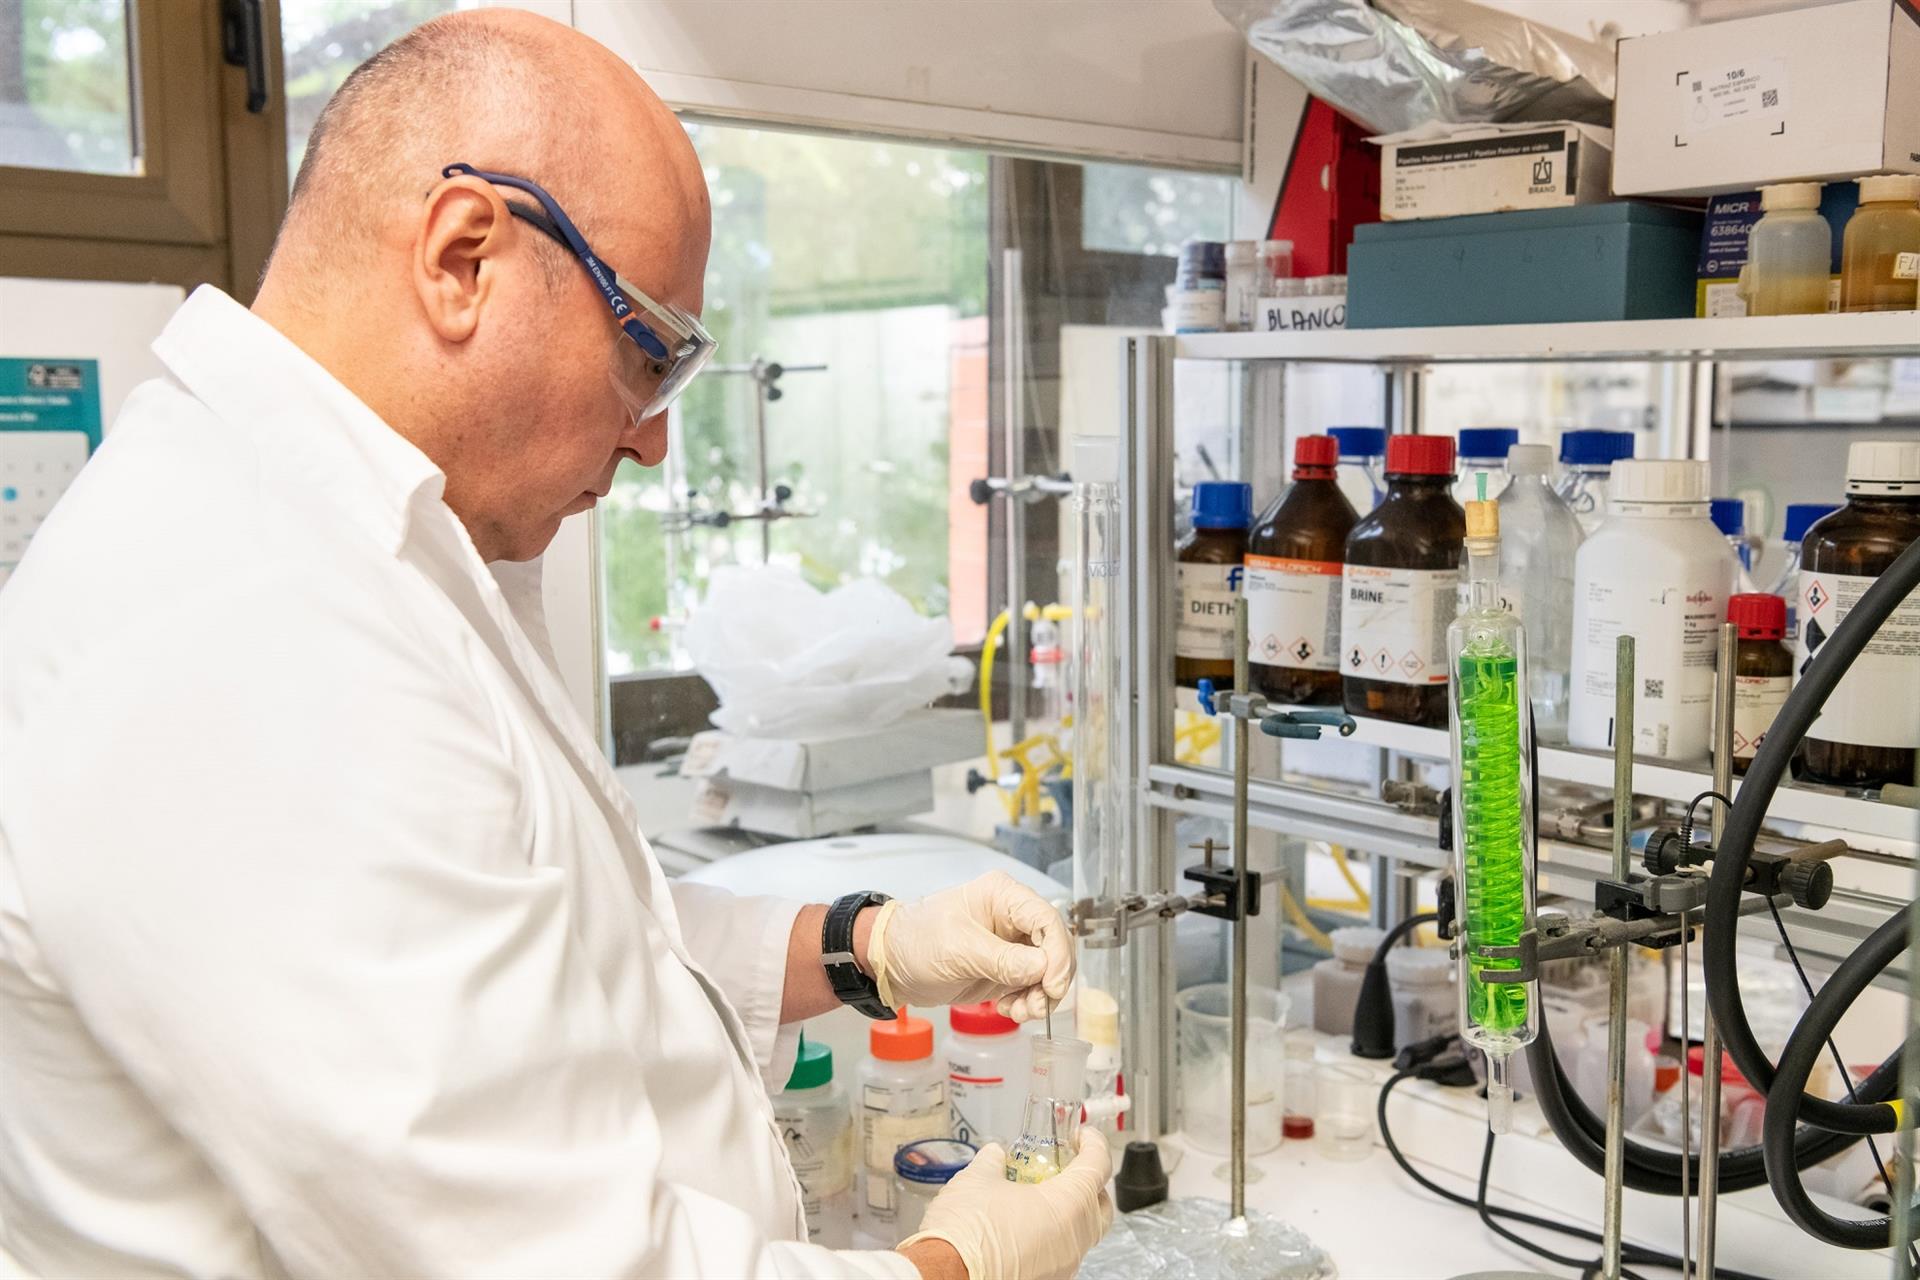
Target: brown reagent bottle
1402,571
1762,671
1294,555
1869,728
1207,569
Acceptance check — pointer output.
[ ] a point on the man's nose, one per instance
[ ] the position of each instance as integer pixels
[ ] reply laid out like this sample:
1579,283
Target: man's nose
647,440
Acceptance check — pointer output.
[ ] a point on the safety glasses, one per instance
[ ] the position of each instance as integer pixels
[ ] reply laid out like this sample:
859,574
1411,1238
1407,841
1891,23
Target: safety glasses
652,363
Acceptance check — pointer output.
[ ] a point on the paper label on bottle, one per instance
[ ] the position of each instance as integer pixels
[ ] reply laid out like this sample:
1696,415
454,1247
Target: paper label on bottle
821,1148
1756,701
890,1118
1675,629
1877,702
1205,595
1393,623
1906,266
1293,612
977,1103
1752,92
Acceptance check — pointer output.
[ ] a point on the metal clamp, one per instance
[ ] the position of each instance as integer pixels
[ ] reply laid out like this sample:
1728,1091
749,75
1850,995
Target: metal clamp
1293,722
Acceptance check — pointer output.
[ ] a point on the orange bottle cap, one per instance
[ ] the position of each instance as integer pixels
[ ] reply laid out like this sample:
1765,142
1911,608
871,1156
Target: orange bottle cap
904,1039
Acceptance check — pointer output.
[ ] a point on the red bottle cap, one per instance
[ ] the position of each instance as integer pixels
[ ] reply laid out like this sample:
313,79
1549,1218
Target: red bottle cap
980,1020
1758,616
1420,455
1316,451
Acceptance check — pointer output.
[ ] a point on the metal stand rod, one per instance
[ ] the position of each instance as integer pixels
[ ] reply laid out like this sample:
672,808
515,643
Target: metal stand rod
764,489
1616,1150
1238,1009
1013,439
1710,1042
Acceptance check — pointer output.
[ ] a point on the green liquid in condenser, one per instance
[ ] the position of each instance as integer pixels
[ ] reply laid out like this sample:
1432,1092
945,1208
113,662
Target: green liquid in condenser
1490,800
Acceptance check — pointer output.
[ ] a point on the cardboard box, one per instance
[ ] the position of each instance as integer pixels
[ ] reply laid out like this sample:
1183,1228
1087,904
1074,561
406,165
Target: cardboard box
1808,95
1445,171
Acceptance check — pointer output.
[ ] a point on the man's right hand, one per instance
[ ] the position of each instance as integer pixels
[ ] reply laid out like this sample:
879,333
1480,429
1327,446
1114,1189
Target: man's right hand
1015,1231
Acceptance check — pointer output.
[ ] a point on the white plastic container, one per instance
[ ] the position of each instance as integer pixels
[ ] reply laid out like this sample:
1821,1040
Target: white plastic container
1658,570
813,1116
1789,254
1337,979
1540,536
901,1099
987,1061
1424,1001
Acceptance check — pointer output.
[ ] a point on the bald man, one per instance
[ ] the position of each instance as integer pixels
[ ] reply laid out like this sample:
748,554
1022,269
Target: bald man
329,946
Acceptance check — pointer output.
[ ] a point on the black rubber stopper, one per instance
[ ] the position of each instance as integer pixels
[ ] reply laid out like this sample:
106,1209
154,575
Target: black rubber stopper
1141,1181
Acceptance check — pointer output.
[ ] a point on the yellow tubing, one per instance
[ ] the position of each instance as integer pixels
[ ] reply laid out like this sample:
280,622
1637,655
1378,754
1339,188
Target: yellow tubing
1302,922
989,650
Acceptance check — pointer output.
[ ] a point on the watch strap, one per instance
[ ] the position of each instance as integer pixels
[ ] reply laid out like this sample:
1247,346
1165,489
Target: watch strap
836,954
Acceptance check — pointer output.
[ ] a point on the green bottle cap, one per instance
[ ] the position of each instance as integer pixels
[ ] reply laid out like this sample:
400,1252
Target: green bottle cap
813,1068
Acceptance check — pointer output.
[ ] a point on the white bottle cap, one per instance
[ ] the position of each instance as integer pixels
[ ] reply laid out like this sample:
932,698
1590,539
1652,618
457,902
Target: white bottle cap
1903,187
1096,459
1884,466
1790,195
1356,943
1419,966
1242,250
1530,460
1657,480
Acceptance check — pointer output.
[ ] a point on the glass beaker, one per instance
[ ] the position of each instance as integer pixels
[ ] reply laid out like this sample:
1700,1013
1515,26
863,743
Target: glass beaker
1298,1097
1050,1131
1343,1127
1206,1065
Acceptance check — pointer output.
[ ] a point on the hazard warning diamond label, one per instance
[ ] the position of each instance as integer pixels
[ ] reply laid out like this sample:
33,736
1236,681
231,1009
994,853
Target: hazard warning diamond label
1302,649
1412,663
1817,597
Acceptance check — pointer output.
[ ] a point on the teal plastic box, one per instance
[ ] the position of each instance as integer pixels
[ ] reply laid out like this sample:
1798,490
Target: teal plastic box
1622,261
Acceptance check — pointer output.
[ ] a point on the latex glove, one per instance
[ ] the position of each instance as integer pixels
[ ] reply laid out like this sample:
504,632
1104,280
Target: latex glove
989,939
1023,1231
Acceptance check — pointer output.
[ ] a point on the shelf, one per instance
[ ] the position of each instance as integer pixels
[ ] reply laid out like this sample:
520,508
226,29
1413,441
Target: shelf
1823,807
1887,333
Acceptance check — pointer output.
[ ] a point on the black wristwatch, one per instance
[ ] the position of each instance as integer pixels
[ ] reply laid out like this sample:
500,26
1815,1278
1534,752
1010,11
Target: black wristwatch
836,953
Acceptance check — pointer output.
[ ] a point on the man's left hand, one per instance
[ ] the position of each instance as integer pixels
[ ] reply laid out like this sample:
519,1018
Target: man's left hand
989,939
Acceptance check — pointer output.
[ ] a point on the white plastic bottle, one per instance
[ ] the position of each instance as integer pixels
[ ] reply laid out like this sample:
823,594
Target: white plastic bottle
1362,473
986,1074
1539,538
1657,570
901,1098
813,1118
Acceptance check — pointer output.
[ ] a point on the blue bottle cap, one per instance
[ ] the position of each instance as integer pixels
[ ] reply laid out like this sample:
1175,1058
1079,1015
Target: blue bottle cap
1729,516
1222,504
933,1161
1487,442
1360,442
1203,259
1801,516
1595,448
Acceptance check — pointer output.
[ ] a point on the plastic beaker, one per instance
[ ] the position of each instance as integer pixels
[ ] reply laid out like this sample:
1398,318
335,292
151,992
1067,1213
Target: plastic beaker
1298,1098
1206,1065
1343,1127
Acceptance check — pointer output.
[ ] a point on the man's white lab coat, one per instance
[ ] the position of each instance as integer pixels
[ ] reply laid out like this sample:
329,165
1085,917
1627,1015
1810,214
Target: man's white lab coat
329,944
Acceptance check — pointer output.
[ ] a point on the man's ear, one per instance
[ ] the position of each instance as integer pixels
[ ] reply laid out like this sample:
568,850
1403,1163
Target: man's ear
463,225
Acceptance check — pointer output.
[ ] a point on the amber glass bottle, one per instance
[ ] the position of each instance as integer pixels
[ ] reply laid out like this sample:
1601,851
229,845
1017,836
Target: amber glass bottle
1869,728
1880,248
1762,671
1294,555
1207,569
1402,571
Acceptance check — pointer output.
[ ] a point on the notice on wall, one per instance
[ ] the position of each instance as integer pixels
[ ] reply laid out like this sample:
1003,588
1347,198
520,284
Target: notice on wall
49,427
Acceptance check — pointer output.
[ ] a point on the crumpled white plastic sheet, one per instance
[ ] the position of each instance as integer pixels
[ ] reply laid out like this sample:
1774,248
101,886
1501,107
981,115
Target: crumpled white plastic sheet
1192,1239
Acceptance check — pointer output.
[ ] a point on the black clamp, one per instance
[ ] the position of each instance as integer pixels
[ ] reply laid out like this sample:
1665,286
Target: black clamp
1221,898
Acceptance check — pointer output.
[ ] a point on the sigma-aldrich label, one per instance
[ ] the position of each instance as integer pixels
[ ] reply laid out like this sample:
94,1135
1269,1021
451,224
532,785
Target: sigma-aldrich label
1877,702
1393,623
1676,632
1293,612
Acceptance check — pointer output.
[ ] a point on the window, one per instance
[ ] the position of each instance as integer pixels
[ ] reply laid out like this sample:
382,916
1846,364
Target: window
66,87
860,267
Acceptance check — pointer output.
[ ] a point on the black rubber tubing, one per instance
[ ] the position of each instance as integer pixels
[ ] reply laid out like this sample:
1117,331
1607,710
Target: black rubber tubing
1730,858
1797,1061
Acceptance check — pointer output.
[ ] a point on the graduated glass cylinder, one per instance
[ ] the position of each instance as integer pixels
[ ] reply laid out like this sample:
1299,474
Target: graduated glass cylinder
1101,749
1493,819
